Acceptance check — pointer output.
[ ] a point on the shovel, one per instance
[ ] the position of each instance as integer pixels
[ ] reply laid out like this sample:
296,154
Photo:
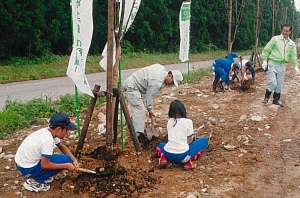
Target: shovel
151,131
86,170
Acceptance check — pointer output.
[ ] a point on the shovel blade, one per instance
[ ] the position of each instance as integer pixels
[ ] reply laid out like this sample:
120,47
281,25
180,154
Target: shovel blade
152,132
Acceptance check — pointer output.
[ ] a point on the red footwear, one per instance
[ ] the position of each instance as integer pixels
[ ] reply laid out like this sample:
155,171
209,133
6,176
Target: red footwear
162,160
189,165
197,156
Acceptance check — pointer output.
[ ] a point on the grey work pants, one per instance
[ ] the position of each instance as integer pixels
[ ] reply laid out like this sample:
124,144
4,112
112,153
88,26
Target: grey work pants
275,76
136,101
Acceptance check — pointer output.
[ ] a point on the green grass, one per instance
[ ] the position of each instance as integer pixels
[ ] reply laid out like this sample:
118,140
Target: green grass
196,75
18,115
20,69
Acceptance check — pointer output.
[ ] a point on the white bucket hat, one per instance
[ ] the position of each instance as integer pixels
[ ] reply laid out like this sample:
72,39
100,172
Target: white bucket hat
177,77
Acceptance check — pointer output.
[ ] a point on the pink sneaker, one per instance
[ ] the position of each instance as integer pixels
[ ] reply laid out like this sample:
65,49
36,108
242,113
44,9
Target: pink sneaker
189,165
162,160
197,156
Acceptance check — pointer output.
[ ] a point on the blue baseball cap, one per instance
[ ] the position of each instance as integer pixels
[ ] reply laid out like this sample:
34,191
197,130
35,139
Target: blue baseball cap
236,66
232,55
62,120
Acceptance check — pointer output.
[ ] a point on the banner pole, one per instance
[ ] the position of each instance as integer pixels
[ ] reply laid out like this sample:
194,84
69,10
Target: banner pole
77,111
189,75
121,111
76,90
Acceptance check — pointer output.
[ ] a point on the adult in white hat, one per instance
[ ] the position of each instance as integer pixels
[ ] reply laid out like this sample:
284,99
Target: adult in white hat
147,81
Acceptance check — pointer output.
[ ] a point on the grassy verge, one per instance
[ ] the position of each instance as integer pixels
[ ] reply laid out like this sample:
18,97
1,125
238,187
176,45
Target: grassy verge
17,115
56,66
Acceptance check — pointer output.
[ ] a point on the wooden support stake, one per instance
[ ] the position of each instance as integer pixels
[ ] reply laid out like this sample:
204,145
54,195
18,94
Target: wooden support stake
129,123
87,120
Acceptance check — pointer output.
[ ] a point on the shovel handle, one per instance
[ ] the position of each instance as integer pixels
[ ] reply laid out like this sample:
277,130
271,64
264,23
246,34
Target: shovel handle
86,170
152,123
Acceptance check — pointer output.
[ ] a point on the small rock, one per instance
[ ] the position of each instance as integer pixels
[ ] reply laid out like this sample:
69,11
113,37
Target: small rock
287,140
231,163
92,189
243,150
213,121
101,169
9,156
242,118
241,155
215,106
267,135
230,147
191,196
73,136
203,190
256,118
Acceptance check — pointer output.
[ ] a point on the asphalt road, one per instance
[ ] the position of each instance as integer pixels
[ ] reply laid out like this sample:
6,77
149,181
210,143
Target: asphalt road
53,88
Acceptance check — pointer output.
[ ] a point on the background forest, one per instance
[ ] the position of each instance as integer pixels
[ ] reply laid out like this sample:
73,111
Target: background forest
35,28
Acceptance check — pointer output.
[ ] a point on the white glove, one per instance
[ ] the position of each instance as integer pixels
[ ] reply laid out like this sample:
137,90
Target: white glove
264,65
245,76
297,70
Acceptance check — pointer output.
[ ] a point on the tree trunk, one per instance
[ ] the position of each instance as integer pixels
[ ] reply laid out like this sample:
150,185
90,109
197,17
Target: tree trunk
109,74
258,22
229,26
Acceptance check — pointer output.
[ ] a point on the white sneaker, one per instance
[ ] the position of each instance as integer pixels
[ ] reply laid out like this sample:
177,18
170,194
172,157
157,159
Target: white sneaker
49,180
35,186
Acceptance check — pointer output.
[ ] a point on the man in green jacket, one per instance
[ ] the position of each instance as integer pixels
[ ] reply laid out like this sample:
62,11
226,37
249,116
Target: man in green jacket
278,51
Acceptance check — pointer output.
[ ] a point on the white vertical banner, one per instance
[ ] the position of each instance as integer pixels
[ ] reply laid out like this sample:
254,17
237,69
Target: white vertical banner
82,19
131,9
184,22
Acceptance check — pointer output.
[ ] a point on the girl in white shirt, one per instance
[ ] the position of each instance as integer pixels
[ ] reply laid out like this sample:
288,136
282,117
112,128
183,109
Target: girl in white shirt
180,147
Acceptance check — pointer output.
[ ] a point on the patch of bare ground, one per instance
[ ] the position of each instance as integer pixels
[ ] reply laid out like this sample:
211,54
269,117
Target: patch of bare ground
253,151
